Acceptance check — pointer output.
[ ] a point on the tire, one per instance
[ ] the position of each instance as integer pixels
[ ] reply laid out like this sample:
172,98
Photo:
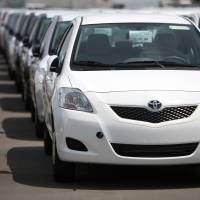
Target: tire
62,171
26,94
39,127
47,142
27,104
27,101
12,75
32,112
19,87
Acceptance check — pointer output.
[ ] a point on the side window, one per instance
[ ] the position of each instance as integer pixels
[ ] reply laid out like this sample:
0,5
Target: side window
63,49
58,35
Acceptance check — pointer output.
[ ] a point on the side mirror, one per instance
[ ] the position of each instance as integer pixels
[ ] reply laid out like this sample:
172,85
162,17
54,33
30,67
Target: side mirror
36,50
26,41
53,52
18,36
53,63
11,32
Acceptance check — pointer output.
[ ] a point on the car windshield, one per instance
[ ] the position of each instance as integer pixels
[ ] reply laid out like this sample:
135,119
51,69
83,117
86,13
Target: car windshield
31,25
21,24
136,46
25,25
13,21
60,29
42,30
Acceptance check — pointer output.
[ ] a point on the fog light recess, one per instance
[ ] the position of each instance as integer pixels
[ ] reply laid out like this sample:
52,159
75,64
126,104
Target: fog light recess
75,145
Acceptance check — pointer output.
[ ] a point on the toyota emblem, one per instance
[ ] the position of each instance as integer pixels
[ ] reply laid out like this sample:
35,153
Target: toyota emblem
155,105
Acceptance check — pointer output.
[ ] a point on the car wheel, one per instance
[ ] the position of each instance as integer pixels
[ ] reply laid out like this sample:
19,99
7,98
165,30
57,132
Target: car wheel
47,142
62,171
39,127
12,75
27,101
19,87
32,112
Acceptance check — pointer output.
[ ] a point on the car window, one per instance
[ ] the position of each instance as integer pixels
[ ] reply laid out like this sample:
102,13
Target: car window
125,43
17,23
43,28
25,26
10,18
63,49
35,30
13,21
31,25
22,21
58,34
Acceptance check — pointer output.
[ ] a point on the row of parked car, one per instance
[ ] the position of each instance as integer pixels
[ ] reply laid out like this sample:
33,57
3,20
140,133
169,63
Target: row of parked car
107,87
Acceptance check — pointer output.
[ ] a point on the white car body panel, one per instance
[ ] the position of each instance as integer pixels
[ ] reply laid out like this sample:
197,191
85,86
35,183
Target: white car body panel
111,81
48,86
131,89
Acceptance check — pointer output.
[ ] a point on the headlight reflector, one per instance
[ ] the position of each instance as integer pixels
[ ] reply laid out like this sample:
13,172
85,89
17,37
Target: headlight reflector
73,99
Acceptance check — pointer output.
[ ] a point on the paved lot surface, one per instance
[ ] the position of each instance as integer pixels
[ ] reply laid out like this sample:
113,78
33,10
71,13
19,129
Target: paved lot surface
25,172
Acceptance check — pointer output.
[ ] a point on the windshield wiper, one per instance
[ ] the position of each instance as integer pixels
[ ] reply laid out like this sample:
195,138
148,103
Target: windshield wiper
87,65
95,65
144,65
158,63
92,65
178,65
141,64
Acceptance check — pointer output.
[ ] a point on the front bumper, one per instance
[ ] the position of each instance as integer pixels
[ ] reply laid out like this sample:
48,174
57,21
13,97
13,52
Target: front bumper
84,127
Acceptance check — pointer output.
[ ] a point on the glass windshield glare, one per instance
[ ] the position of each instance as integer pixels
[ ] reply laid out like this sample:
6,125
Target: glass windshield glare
112,44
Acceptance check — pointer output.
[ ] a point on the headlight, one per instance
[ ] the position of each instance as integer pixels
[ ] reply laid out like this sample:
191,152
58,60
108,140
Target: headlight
73,99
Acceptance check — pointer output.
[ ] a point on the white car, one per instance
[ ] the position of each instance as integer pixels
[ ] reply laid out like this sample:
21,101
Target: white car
50,43
195,18
12,44
127,93
39,68
32,43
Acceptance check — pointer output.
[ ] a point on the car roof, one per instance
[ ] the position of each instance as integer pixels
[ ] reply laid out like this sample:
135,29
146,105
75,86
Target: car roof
133,18
169,10
69,16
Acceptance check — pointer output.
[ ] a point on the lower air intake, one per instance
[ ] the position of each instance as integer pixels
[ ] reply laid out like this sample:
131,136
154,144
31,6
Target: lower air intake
154,151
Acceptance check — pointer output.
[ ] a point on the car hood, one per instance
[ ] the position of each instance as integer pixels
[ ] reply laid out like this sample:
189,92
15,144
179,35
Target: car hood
136,80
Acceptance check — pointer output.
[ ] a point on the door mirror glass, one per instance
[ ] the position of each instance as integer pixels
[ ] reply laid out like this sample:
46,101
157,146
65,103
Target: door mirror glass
53,63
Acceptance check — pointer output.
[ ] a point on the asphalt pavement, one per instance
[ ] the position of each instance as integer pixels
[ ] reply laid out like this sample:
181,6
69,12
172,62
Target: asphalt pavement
26,172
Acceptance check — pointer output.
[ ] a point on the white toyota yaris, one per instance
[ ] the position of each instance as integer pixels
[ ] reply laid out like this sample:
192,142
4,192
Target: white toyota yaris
127,92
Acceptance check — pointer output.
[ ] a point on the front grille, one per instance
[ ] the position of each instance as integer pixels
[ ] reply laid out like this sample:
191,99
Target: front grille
154,151
142,114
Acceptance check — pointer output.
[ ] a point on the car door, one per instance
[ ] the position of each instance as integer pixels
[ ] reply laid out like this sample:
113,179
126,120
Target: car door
50,79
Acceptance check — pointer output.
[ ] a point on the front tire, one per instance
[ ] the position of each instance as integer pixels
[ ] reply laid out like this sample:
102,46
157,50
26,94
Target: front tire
12,75
62,171
47,142
27,99
39,127
32,112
